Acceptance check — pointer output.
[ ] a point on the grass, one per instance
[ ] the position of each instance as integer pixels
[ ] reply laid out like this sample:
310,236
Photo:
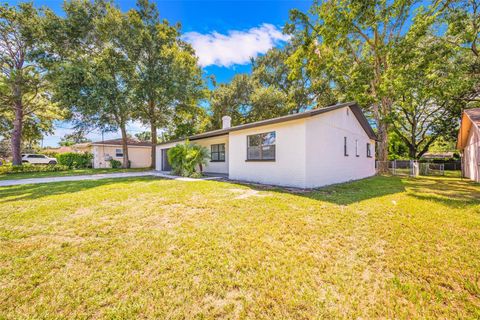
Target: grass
384,247
73,172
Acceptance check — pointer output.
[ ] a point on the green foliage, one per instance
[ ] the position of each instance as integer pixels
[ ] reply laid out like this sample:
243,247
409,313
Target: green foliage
75,160
115,164
73,138
143,136
27,167
167,81
26,109
186,157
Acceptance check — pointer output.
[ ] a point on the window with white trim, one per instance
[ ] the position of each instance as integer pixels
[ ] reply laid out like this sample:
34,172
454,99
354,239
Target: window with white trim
119,153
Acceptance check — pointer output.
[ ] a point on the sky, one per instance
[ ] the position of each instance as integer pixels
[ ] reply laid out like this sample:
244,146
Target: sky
224,33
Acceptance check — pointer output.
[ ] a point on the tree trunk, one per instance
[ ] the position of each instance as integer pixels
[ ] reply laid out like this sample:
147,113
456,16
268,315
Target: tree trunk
125,163
153,133
382,150
412,152
17,128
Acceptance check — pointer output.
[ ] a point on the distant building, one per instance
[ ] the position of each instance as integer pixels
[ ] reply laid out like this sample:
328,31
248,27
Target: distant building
469,143
139,153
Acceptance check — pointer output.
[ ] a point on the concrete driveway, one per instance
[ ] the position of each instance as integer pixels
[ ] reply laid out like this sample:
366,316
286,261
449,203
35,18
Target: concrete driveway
6,183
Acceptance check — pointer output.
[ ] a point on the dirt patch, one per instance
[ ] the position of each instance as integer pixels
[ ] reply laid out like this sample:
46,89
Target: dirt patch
247,193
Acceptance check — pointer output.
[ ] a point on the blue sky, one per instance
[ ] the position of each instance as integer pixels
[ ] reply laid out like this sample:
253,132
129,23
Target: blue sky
225,34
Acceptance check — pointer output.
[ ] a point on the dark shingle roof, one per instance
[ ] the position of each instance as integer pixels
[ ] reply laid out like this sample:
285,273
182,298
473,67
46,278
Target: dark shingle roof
353,106
130,142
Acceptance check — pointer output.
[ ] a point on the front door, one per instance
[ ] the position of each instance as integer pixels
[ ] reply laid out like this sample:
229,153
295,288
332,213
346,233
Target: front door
165,164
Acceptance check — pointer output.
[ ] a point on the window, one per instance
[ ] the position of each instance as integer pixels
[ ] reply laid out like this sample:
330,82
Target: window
119,153
345,151
369,151
261,147
356,148
217,152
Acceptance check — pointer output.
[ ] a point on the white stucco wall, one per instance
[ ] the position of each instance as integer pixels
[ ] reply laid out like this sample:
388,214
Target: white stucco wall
325,161
471,156
140,157
288,169
212,167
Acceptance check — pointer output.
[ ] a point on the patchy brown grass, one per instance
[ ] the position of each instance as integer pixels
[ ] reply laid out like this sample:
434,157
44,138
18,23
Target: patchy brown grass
383,247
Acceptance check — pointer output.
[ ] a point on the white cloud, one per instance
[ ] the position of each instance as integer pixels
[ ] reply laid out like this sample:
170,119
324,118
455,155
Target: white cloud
236,47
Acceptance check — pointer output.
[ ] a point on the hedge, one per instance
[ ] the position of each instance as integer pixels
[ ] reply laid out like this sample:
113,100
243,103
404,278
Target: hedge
27,167
75,160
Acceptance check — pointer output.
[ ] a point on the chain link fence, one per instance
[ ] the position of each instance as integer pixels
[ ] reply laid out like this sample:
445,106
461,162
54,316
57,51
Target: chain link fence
414,168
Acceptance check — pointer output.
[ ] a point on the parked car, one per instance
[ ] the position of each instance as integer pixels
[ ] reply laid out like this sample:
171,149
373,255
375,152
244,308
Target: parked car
38,159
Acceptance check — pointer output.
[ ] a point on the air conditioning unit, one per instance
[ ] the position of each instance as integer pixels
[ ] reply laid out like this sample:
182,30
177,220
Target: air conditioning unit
108,158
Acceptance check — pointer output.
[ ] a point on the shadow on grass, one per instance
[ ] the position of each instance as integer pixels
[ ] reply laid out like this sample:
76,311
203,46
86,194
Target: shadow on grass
37,191
448,191
452,192
341,194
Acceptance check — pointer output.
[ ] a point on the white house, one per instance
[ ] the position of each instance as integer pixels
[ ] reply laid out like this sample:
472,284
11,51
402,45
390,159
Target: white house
305,150
469,143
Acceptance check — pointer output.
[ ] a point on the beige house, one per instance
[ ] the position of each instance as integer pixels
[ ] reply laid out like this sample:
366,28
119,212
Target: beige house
469,143
82,147
139,153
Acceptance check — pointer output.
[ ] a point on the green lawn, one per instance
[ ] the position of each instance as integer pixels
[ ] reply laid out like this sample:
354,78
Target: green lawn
76,172
384,247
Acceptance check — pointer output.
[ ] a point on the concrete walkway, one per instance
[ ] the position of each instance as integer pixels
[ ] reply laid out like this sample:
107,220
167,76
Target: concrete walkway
6,183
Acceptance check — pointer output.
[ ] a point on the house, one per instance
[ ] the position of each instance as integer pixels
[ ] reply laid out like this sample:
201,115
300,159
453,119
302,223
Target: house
305,150
82,147
469,143
139,153
438,155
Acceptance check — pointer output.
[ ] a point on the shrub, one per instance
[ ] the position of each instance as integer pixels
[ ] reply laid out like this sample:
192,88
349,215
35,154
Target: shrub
115,164
186,157
75,160
27,167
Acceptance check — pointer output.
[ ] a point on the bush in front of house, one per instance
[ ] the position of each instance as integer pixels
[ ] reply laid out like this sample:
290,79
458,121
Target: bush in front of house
185,158
27,167
115,164
75,160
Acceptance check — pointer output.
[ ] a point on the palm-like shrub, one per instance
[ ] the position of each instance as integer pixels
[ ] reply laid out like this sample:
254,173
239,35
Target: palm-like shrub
185,158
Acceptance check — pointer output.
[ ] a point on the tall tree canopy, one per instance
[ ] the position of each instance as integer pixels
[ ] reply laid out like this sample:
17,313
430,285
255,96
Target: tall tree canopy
351,43
25,106
167,78
93,76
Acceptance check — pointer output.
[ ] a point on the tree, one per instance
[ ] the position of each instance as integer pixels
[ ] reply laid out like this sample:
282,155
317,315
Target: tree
186,157
166,72
187,119
73,138
232,99
25,105
299,89
462,18
429,76
143,136
351,43
93,77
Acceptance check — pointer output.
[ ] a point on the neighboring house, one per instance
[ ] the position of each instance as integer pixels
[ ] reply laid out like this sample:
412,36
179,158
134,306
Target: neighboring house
306,150
469,143
82,147
62,149
139,153
437,155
